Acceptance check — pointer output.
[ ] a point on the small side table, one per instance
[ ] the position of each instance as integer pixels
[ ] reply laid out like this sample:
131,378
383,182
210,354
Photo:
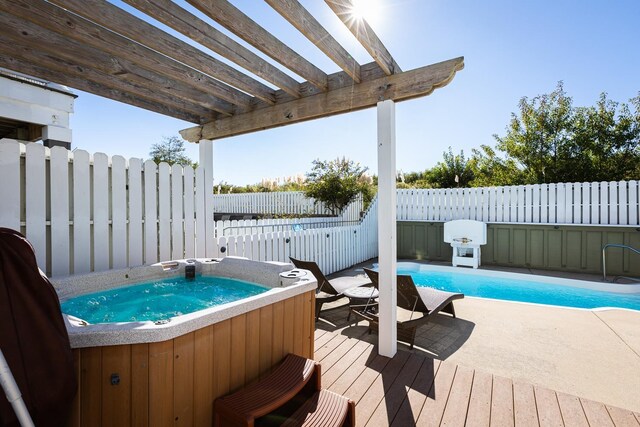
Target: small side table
360,295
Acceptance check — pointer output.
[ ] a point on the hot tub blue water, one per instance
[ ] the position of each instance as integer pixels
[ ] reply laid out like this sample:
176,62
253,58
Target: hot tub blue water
501,286
158,300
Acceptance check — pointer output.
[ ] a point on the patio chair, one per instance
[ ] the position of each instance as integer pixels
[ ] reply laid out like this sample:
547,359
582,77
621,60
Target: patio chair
329,290
419,303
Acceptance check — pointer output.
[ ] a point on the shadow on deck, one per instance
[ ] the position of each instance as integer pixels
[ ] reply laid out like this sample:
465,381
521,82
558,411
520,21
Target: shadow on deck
419,387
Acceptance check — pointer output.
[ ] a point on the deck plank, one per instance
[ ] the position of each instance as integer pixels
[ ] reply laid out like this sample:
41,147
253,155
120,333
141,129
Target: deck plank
318,333
413,389
338,353
328,347
596,413
436,401
369,358
348,361
622,417
322,339
396,393
572,411
502,402
524,405
368,398
455,413
548,408
479,412
412,405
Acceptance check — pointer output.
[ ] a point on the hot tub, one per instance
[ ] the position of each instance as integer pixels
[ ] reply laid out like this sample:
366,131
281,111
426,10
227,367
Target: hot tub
169,373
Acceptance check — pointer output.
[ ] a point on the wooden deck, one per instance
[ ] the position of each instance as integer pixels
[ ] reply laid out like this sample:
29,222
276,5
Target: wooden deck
412,388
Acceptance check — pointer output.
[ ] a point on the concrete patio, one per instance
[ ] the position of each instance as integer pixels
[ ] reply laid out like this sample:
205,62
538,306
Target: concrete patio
594,355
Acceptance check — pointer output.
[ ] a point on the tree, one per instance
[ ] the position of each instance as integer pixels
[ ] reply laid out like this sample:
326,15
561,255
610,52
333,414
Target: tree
609,137
453,171
539,139
490,170
337,182
170,150
551,141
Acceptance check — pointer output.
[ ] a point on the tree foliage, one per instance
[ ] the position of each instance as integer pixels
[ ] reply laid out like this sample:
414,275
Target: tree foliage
489,169
453,171
552,141
170,150
549,140
337,183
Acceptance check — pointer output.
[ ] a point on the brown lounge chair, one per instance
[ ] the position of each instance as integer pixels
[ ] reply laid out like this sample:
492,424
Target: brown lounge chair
329,290
420,303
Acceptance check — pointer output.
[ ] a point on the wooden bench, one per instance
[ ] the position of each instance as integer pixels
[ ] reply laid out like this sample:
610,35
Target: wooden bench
283,384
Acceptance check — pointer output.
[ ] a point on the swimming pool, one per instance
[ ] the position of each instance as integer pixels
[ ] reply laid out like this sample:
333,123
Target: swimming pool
159,300
524,287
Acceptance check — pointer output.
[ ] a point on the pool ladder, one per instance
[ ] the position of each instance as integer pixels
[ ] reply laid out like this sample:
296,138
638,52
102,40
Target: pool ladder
604,261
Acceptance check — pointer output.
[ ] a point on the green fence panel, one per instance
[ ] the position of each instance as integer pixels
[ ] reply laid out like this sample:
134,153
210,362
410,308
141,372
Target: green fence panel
553,247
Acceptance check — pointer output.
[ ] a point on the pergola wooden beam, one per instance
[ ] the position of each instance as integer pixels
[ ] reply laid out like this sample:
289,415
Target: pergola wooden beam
9,60
365,35
76,28
123,23
244,27
304,22
176,17
54,62
397,87
35,37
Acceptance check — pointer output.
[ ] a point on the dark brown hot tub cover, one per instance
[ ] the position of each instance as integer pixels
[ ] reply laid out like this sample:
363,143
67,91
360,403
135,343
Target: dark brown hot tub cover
33,336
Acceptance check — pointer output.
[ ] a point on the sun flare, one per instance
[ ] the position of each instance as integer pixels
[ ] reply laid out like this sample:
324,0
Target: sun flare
369,10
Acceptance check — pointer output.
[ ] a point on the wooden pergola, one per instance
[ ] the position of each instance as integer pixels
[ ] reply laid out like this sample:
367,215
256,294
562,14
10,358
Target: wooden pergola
97,47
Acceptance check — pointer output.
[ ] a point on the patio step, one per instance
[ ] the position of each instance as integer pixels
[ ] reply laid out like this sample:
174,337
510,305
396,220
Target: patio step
324,408
274,391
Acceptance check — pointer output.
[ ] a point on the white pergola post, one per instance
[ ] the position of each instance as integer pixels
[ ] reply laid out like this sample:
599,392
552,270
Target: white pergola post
387,251
205,161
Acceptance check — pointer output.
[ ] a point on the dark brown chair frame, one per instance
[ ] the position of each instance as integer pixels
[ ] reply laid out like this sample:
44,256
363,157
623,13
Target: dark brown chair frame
424,300
326,291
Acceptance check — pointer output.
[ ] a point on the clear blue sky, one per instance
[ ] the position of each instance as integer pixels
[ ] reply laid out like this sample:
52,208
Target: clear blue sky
511,49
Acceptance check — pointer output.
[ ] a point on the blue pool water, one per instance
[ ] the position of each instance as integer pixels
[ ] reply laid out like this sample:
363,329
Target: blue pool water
517,290
158,300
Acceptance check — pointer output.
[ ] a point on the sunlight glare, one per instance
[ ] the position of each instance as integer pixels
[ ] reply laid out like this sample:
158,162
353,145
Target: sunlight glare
368,10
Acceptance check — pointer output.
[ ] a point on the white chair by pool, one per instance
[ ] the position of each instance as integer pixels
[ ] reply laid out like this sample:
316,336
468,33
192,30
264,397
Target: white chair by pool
465,237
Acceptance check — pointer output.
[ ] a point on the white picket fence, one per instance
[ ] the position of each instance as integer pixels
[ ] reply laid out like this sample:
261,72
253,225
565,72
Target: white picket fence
287,202
350,216
252,226
603,203
87,213
333,248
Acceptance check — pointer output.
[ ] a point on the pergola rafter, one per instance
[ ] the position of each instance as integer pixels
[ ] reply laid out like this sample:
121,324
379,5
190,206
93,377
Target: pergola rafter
174,16
300,18
120,71
365,35
119,21
227,15
130,60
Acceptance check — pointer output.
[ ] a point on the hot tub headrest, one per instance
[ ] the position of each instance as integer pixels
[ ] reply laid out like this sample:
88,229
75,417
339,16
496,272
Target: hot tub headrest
266,273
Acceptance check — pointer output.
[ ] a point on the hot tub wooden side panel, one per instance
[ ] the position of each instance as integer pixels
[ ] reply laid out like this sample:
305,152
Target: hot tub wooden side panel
174,382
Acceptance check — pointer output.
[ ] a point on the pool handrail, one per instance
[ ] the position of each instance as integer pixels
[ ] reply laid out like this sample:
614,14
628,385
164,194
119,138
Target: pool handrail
604,259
